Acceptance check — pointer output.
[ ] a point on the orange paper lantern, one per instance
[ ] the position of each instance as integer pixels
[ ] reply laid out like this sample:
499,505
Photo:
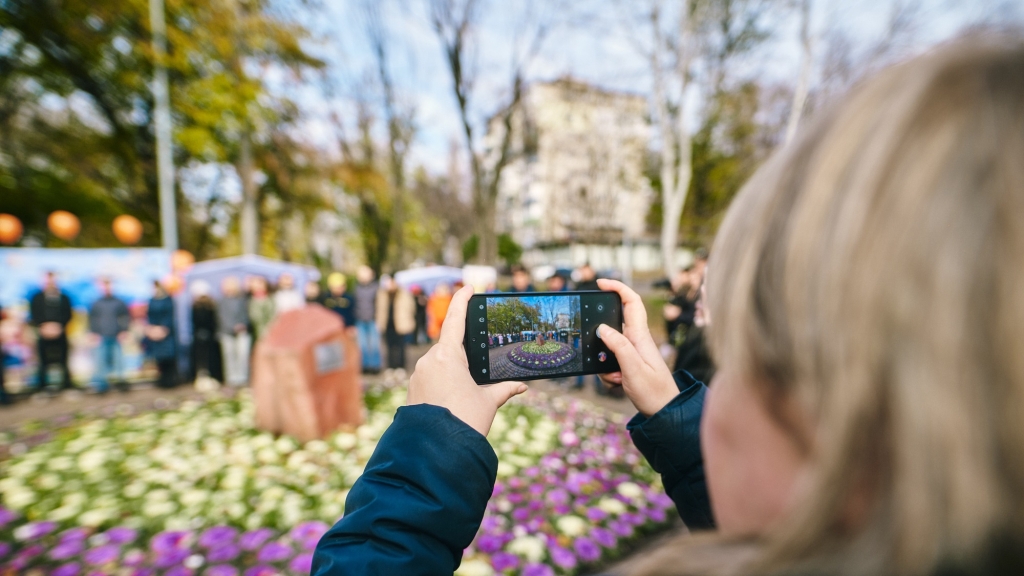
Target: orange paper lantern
10,229
127,229
64,224
172,283
182,260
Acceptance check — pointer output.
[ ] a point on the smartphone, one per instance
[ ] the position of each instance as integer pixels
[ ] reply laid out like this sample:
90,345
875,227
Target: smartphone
535,335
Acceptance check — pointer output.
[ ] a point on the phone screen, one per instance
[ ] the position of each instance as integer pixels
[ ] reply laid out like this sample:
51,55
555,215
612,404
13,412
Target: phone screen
539,335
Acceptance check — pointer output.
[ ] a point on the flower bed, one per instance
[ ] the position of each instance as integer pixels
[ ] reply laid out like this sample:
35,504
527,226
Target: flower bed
196,490
537,357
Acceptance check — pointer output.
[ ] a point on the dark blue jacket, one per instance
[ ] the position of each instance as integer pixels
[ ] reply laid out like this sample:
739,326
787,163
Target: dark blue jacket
161,313
422,496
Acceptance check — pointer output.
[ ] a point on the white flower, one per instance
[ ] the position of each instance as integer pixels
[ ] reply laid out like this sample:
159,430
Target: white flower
630,490
48,481
94,518
63,513
155,509
516,436
475,567
571,526
135,489
91,460
530,547
193,497
19,498
612,506
267,455
194,561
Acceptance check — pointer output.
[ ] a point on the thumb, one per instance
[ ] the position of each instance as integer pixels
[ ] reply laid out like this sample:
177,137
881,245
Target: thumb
629,359
504,391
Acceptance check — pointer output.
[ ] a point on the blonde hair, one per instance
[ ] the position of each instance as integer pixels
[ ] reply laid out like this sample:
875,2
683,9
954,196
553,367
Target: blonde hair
872,273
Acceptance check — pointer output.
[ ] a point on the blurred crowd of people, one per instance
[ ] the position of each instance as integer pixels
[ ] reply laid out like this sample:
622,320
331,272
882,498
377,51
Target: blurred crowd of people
685,320
384,318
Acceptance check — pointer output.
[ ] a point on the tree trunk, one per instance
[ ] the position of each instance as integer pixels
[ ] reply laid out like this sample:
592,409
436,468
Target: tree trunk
249,222
800,93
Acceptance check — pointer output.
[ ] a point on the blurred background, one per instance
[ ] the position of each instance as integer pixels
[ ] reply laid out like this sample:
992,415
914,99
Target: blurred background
177,176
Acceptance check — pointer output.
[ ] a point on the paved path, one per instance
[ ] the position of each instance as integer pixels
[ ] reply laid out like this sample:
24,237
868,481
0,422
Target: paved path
503,367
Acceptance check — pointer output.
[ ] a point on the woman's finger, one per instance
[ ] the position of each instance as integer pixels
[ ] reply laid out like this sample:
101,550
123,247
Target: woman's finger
623,349
633,311
504,391
614,378
453,330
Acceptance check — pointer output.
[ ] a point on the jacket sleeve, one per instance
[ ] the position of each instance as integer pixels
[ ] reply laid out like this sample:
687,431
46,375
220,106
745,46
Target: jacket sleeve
419,502
670,440
123,316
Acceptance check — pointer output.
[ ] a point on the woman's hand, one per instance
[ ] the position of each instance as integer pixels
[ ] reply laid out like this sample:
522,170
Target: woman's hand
645,377
442,375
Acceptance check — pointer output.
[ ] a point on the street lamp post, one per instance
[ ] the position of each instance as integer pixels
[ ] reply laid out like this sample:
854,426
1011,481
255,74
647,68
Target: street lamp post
162,117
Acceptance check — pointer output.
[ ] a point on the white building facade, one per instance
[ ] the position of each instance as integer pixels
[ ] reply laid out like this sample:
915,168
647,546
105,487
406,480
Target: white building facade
577,171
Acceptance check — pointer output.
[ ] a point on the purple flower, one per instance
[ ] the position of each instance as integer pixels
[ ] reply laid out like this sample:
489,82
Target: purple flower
558,496
662,500
274,552
66,549
5,549
121,535
179,571
143,572
656,514
504,561
520,514
491,524
253,540
69,569
6,516
302,563
587,549
217,536
489,544
260,570
74,535
102,554
309,531
538,570
563,558
170,558
221,570
167,541
596,514
34,530
604,537
623,529
634,518
225,553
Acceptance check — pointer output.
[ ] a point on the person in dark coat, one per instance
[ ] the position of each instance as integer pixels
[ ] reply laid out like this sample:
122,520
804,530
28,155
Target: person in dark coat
108,322
521,280
586,278
5,399
50,311
422,495
338,301
205,350
161,338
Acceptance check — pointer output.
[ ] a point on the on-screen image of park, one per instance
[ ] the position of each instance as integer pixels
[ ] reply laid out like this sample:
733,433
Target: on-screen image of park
533,336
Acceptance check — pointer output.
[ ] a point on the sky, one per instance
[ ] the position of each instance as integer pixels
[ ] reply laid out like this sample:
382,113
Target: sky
593,40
